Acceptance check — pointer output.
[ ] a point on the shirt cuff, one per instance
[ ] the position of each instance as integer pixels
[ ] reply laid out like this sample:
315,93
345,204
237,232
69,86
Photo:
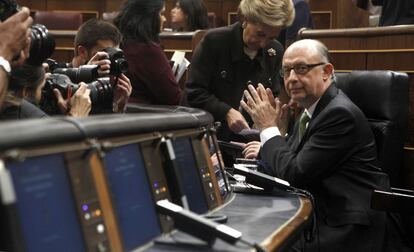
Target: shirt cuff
268,133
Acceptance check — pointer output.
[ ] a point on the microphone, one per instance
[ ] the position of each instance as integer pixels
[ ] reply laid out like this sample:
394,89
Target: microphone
172,173
191,223
262,180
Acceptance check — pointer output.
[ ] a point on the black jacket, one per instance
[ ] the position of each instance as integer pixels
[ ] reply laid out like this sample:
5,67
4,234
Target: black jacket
25,110
220,70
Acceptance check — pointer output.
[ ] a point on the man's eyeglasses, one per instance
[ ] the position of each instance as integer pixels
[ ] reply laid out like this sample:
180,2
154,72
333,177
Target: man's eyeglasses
300,69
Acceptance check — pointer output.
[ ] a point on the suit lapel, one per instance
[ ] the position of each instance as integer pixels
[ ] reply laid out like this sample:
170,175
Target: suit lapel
326,98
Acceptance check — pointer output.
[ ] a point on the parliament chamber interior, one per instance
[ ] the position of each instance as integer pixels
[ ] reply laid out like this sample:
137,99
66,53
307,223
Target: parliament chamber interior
160,178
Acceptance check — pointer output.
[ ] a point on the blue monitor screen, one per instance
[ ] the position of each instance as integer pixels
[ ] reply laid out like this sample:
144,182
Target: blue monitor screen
218,170
190,175
132,195
45,204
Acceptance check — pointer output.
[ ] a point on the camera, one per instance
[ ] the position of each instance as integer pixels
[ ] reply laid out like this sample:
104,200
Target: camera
119,64
86,73
101,94
42,44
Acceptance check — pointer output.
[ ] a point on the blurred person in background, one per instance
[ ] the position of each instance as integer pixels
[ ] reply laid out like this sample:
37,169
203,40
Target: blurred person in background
152,79
189,15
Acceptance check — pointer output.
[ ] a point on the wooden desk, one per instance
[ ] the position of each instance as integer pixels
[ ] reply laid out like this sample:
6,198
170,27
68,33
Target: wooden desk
64,40
379,48
170,41
180,41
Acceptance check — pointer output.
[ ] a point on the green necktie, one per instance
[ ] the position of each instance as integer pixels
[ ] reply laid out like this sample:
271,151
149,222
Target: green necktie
304,119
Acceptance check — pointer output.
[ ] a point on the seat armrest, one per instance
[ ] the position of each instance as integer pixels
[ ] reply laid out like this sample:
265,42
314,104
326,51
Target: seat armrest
393,201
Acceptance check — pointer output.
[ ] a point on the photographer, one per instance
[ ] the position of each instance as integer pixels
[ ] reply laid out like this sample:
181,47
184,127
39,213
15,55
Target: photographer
91,39
15,34
25,93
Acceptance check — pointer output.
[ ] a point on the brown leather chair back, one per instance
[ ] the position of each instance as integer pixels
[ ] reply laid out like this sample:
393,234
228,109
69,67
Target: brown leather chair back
54,20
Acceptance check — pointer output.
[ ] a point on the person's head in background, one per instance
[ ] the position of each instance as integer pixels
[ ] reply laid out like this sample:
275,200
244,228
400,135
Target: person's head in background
189,15
263,20
141,20
26,82
93,36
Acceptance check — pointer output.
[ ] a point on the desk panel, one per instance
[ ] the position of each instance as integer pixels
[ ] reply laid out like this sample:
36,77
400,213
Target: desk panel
273,221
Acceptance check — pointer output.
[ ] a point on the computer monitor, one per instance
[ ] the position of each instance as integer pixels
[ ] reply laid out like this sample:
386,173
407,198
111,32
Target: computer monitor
132,198
219,170
45,204
190,174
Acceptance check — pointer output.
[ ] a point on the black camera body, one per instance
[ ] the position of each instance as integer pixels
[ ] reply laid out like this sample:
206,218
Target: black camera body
101,94
42,44
119,64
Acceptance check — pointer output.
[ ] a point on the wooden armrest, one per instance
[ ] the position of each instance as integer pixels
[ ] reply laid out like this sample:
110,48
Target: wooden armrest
402,191
393,201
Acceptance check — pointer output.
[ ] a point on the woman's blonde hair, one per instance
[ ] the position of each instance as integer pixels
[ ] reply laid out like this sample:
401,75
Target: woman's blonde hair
270,12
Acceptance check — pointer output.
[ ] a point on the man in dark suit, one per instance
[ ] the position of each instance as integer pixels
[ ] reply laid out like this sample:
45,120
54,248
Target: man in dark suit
332,153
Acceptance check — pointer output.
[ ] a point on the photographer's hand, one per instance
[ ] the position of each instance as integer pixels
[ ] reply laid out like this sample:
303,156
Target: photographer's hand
15,35
122,91
101,59
61,102
79,105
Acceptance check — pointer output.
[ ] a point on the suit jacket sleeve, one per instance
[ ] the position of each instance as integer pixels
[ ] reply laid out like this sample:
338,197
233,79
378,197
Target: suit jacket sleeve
330,141
199,80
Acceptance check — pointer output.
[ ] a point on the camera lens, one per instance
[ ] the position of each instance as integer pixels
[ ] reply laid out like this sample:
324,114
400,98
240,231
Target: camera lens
119,64
85,73
101,94
42,45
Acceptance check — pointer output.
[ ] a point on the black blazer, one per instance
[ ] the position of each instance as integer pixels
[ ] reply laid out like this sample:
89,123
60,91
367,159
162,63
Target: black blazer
220,70
336,162
24,110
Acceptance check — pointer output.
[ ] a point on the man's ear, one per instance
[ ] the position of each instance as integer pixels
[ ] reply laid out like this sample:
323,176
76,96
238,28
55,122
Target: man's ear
82,53
328,71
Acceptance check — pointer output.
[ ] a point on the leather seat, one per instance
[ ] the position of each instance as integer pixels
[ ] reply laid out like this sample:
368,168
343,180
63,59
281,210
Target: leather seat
383,97
59,20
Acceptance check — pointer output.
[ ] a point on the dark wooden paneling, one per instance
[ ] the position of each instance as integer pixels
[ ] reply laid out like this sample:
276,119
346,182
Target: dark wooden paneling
113,5
74,5
346,62
344,14
37,5
322,19
64,45
387,60
326,13
180,41
63,54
